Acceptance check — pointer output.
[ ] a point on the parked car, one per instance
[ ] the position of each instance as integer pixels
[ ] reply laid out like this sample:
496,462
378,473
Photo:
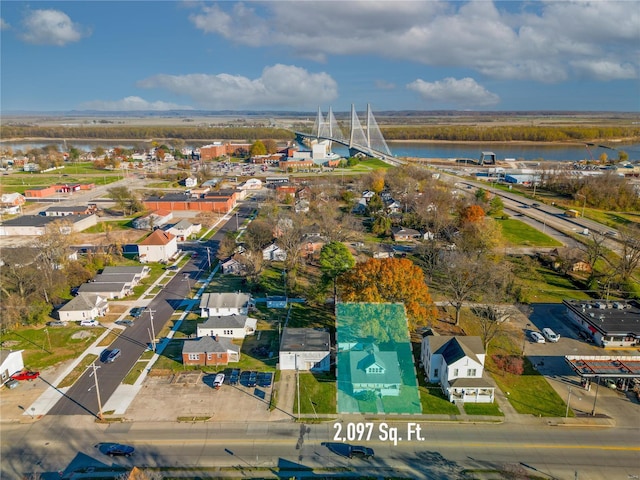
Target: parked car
218,381
126,323
359,451
26,375
535,205
135,312
11,383
550,335
252,380
118,449
89,323
234,376
57,323
536,337
265,379
113,355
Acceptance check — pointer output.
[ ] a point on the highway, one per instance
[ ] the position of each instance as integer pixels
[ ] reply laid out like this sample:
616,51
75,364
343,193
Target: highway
446,449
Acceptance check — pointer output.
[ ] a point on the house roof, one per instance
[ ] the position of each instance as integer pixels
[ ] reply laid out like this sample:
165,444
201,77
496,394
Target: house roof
209,345
305,340
470,383
92,287
224,300
4,354
404,231
119,270
41,220
71,209
453,348
225,321
360,360
115,277
84,301
10,197
158,237
182,225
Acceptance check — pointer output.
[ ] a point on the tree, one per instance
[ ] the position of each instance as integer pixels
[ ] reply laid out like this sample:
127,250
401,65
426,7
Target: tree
496,205
257,148
227,246
462,277
381,226
377,181
482,195
125,199
335,259
471,214
594,249
390,280
375,205
491,319
270,146
258,234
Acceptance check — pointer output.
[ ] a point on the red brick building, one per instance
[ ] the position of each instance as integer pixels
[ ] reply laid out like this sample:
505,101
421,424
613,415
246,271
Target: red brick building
210,351
181,202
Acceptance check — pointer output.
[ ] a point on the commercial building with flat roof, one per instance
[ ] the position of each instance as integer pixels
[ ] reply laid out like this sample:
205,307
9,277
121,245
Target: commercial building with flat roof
610,324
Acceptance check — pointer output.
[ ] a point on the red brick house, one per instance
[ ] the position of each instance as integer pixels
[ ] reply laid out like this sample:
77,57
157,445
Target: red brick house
180,202
208,351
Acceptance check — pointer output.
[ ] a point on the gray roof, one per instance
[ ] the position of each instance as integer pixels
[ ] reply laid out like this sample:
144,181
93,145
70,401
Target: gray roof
454,348
84,301
209,345
115,287
226,321
182,225
76,208
608,321
119,270
305,340
40,220
115,277
470,383
224,300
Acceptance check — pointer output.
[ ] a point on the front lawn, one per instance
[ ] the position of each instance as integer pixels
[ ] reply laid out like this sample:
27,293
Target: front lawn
529,393
490,409
317,394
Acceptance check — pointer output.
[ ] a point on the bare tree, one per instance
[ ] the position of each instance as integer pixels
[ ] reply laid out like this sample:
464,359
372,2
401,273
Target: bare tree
492,320
629,259
594,249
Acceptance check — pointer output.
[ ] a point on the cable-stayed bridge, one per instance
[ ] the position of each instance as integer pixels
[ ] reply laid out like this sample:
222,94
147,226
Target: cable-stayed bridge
367,140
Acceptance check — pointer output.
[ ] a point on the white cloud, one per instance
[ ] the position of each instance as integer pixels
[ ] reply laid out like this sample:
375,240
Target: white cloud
4,25
50,27
605,70
130,104
280,86
463,93
506,40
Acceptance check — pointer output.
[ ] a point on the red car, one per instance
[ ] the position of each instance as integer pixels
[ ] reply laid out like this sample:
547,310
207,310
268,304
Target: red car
25,375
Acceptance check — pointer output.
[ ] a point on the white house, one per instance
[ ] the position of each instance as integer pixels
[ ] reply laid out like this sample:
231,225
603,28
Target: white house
138,272
85,306
224,304
231,266
251,184
373,370
10,362
305,349
457,364
231,326
184,229
108,290
190,182
160,246
274,253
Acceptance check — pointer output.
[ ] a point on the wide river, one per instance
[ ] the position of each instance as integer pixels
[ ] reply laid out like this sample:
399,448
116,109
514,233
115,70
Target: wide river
530,152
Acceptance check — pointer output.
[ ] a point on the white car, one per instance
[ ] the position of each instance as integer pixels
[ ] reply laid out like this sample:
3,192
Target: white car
550,335
89,323
536,337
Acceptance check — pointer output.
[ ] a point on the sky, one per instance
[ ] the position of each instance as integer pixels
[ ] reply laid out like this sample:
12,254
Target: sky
301,55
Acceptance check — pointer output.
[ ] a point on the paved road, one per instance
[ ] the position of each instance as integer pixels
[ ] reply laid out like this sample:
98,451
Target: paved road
445,451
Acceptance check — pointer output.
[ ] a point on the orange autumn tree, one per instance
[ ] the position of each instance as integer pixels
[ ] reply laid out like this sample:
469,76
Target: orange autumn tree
472,214
390,280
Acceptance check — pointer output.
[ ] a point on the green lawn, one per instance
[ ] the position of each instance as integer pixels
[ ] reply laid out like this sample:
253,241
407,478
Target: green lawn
483,409
134,373
45,347
317,394
530,393
101,227
21,181
304,315
519,234
78,371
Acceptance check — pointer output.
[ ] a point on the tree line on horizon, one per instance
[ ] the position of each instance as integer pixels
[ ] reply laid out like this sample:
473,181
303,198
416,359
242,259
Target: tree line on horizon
460,133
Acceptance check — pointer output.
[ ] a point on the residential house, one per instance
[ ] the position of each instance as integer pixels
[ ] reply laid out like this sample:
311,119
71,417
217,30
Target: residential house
231,266
210,351
160,246
109,290
85,306
231,326
61,211
153,220
301,206
360,208
129,279
190,182
401,234
184,230
274,253
222,304
251,184
375,370
382,250
312,244
10,362
139,272
457,364
305,349
394,206
10,203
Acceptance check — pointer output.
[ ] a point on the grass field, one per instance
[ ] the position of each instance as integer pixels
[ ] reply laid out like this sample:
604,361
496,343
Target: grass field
21,181
519,234
317,394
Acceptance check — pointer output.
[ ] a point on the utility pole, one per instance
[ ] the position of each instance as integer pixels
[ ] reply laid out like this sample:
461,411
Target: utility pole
153,332
209,257
566,414
298,385
95,377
